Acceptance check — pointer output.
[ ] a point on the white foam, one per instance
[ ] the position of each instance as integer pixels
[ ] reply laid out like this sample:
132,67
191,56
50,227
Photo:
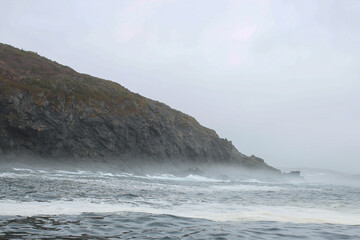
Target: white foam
19,172
251,180
210,211
23,172
106,174
55,174
243,187
23,169
198,178
191,177
14,175
79,172
9,175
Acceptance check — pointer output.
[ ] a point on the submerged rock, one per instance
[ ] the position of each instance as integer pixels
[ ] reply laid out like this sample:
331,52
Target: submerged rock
51,111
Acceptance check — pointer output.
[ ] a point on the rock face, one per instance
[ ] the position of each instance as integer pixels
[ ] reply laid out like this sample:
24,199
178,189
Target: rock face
51,111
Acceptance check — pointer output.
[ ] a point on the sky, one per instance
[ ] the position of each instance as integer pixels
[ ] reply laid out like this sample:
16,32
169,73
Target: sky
280,79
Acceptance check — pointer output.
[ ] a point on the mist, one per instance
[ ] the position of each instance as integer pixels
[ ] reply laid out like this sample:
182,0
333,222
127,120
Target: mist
175,170
278,78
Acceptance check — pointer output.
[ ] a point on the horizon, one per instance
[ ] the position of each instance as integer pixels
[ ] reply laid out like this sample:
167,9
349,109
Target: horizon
300,107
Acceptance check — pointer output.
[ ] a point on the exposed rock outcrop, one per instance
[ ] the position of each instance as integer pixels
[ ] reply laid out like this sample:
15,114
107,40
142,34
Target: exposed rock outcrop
51,111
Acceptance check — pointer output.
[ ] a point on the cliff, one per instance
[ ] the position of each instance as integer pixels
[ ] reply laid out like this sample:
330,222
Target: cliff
51,111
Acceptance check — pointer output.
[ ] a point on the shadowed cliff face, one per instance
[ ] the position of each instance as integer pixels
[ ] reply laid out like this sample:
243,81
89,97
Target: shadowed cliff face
51,111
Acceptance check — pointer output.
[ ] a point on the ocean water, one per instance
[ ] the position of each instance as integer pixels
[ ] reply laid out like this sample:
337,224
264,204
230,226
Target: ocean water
59,204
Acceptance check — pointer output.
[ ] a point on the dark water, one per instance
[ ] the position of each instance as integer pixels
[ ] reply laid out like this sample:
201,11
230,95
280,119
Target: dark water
150,226
39,204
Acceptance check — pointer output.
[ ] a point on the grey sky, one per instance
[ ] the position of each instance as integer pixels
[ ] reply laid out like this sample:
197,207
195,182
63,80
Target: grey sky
281,79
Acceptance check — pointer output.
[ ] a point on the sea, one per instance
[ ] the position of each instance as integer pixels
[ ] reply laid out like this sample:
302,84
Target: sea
76,204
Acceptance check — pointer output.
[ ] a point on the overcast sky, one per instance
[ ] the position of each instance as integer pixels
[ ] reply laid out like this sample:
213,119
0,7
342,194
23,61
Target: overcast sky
281,79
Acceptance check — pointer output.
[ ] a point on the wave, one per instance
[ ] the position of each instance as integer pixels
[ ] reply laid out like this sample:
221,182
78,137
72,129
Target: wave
78,172
190,177
65,173
252,180
248,187
214,212
23,169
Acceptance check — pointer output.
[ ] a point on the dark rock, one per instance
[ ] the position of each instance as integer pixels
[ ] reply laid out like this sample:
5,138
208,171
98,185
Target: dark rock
51,111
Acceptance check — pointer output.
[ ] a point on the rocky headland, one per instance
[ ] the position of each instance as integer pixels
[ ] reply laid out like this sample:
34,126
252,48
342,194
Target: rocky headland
52,112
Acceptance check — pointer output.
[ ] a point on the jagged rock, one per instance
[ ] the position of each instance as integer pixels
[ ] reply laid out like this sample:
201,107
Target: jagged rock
51,111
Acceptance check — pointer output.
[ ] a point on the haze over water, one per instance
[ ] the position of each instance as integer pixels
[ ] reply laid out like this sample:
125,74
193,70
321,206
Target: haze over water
48,204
